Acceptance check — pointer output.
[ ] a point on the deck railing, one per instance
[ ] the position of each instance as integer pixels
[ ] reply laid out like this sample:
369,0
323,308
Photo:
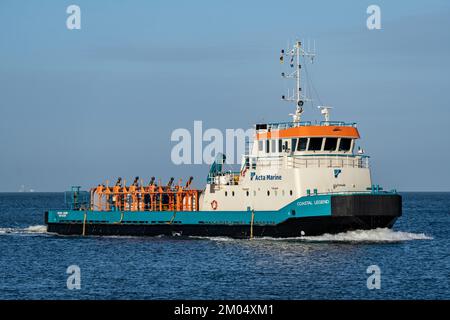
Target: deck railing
290,162
287,125
224,178
325,161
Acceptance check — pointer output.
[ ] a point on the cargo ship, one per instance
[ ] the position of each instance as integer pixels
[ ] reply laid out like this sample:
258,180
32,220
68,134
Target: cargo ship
298,178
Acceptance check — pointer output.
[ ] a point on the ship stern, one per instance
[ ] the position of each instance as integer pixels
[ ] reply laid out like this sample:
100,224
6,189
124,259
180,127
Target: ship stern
366,211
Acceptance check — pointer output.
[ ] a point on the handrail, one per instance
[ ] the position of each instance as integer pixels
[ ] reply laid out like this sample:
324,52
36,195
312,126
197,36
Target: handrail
293,162
221,178
287,125
316,162
355,192
311,155
338,123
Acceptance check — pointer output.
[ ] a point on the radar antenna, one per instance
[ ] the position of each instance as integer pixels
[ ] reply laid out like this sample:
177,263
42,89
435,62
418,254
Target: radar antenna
325,111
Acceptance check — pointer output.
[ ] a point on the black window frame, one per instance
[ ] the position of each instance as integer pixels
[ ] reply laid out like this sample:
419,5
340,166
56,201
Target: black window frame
349,144
311,143
294,144
299,144
335,143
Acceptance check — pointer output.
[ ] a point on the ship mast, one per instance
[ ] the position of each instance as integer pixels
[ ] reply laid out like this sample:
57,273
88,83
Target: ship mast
297,96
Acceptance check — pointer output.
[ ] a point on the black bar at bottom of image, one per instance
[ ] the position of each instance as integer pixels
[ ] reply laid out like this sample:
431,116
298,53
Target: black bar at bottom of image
222,309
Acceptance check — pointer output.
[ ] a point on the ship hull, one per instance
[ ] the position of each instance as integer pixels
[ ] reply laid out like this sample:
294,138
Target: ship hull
327,214
310,226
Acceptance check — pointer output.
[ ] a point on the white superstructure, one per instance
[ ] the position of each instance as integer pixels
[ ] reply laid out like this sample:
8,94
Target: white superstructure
291,160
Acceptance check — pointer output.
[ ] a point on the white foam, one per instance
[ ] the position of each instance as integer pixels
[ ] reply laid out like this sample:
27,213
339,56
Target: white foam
5,230
218,238
374,235
36,229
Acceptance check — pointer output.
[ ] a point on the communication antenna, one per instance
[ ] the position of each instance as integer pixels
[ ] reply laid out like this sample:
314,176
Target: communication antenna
294,56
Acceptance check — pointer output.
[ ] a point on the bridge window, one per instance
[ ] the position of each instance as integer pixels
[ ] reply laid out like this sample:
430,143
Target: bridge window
280,145
345,144
330,144
294,144
302,142
260,145
267,146
261,126
274,146
315,144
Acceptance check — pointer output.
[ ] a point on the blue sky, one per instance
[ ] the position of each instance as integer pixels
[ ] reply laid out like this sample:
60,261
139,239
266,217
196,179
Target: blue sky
82,106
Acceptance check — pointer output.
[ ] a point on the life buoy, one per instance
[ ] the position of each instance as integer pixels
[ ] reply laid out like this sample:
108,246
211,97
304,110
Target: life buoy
214,204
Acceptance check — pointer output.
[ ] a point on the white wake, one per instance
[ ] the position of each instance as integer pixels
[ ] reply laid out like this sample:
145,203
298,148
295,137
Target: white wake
36,229
374,235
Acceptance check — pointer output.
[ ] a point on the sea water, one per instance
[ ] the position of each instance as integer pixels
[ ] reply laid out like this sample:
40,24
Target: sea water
413,260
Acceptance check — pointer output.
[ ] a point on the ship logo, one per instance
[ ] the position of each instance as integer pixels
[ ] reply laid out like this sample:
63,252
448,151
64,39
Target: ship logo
337,172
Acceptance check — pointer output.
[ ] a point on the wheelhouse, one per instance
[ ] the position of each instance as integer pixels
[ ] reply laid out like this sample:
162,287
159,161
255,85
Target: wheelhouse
305,138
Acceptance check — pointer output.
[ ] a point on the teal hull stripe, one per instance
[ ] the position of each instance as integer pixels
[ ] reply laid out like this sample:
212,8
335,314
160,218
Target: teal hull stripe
310,206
